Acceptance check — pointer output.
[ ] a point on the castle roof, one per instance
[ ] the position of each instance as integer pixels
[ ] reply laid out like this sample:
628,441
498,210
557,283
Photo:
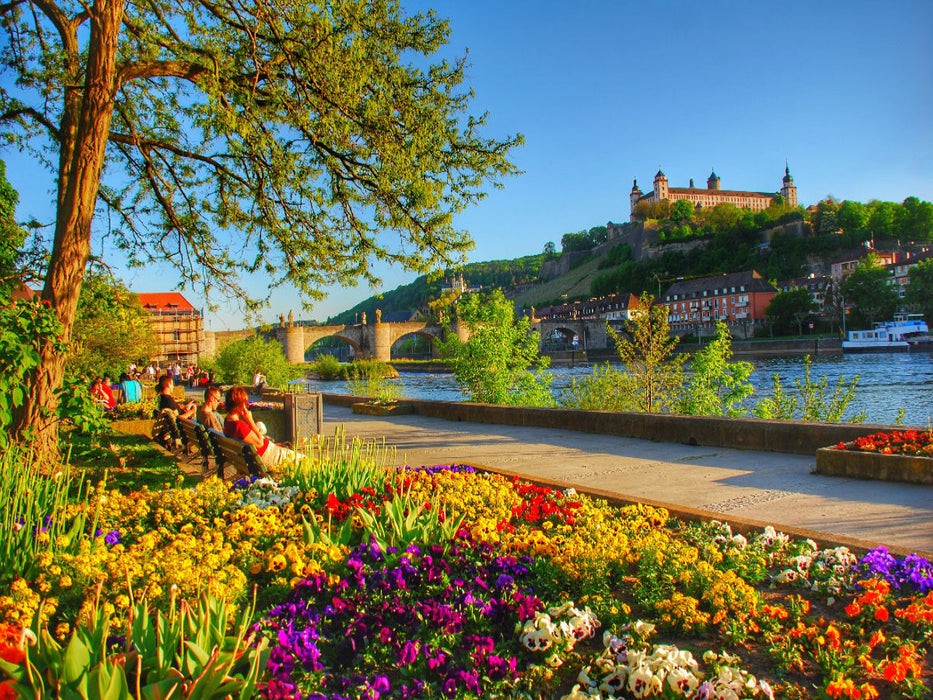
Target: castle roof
716,193
750,281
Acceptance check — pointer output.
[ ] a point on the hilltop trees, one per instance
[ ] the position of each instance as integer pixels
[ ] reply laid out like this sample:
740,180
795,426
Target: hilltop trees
272,137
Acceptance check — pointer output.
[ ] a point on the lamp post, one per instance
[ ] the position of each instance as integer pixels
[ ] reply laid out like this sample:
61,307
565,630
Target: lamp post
843,300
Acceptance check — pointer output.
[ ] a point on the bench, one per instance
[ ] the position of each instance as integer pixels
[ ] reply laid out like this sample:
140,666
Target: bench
239,456
165,430
197,444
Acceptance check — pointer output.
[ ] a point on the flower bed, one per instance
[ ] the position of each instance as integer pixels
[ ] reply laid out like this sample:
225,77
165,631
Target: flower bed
896,456
446,582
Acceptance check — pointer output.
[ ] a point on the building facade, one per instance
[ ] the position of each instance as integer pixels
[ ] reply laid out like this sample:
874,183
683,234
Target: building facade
177,325
739,299
712,195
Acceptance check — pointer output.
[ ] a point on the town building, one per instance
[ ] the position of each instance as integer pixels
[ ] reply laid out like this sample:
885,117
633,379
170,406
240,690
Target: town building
613,308
712,195
739,299
177,325
843,265
900,268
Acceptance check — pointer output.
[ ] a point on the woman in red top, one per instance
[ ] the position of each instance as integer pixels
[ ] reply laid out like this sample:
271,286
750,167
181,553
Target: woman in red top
239,424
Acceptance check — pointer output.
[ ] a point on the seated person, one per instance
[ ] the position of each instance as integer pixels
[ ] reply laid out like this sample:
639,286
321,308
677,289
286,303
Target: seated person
166,398
207,414
240,425
102,393
259,380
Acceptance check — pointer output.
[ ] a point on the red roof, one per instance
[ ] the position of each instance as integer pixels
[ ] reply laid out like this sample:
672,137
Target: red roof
24,292
165,300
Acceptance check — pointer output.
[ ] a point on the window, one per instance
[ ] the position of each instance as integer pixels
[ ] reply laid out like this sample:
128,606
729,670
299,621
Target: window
176,335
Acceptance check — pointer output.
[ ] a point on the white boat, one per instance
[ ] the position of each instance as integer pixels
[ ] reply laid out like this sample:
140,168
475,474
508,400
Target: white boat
904,332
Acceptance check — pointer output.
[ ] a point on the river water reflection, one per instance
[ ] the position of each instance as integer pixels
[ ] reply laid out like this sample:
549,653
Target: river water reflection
888,382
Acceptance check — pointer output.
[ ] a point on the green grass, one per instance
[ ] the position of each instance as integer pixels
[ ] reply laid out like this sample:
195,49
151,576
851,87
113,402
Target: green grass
131,461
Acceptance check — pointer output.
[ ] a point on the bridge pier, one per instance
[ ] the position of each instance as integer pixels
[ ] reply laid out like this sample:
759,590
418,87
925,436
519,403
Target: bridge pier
292,339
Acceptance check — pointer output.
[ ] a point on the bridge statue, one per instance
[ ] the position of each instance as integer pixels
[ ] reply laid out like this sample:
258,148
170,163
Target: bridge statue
378,315
281,320
363,318
291,319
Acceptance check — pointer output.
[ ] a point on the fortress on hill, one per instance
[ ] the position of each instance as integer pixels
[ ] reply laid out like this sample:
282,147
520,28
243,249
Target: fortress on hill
712,195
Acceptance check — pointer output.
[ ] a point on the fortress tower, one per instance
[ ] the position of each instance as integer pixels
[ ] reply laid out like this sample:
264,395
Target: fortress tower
789,190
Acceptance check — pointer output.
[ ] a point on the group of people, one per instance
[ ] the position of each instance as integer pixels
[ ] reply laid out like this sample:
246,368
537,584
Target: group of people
238,423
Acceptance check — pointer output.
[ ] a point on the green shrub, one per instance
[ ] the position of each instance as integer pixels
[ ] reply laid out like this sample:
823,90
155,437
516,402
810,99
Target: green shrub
239,361
329,368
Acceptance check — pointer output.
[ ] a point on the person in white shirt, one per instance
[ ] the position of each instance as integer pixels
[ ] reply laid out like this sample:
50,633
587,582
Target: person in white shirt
259,380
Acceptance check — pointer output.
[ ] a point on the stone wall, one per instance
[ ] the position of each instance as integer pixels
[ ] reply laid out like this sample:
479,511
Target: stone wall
795,437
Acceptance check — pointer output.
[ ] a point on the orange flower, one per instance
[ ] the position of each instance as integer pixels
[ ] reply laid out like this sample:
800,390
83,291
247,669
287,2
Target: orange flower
833,637
876,639
881,614
853,609
869,692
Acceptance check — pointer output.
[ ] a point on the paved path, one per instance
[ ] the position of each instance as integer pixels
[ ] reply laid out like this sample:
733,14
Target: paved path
761,486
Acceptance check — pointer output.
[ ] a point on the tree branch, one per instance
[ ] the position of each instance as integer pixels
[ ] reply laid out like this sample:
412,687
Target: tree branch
36,116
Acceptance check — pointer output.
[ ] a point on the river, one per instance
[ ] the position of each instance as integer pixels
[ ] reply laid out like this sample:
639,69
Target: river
887,382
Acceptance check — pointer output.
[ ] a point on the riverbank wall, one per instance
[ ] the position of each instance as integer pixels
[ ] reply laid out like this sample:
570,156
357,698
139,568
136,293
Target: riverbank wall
795,437
741,349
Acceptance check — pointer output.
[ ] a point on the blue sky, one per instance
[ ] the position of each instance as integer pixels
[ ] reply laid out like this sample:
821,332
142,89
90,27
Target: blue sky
605,91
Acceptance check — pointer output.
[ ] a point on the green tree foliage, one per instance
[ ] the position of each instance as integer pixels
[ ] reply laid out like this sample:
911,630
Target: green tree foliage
881,221
868,294
584,240
606,389
646,350
920,289
111,330
915,220
788,310
853,217
500,363
824,219
285,139
717,386
239,361
11,235
810,402
550,250
683,210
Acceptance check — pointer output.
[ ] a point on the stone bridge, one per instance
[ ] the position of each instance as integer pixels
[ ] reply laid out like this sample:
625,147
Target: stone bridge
375,340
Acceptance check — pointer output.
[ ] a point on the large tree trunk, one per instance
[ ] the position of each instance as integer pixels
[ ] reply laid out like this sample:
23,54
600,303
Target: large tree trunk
85,129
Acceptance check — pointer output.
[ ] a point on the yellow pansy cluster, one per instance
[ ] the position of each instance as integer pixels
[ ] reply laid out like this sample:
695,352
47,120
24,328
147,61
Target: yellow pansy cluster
19,606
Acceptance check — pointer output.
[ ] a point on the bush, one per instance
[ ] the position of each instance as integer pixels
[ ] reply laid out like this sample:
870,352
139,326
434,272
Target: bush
328,367
238,362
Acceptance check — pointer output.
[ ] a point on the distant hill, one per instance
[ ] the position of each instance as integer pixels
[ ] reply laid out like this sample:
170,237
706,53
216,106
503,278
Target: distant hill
781,243
493,274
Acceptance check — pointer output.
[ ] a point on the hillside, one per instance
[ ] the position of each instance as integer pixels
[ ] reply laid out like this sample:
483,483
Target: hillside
781,243
575,284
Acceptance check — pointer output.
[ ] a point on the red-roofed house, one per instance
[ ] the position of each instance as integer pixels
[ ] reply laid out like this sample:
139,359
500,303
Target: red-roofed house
177,324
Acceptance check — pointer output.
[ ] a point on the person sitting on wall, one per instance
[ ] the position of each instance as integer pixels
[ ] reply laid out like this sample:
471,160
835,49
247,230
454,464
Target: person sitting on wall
240,425
207,414
166,388
102,394
259,381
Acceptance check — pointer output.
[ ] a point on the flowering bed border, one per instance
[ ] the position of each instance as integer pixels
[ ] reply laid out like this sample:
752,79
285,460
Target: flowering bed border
850,462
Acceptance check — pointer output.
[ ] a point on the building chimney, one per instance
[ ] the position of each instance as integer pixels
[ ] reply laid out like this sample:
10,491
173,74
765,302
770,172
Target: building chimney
691,183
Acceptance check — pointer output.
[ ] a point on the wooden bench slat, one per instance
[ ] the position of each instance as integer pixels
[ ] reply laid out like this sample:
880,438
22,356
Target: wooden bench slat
234,453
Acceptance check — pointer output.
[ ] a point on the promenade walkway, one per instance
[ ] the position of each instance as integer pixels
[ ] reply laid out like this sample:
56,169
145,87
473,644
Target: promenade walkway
761,487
